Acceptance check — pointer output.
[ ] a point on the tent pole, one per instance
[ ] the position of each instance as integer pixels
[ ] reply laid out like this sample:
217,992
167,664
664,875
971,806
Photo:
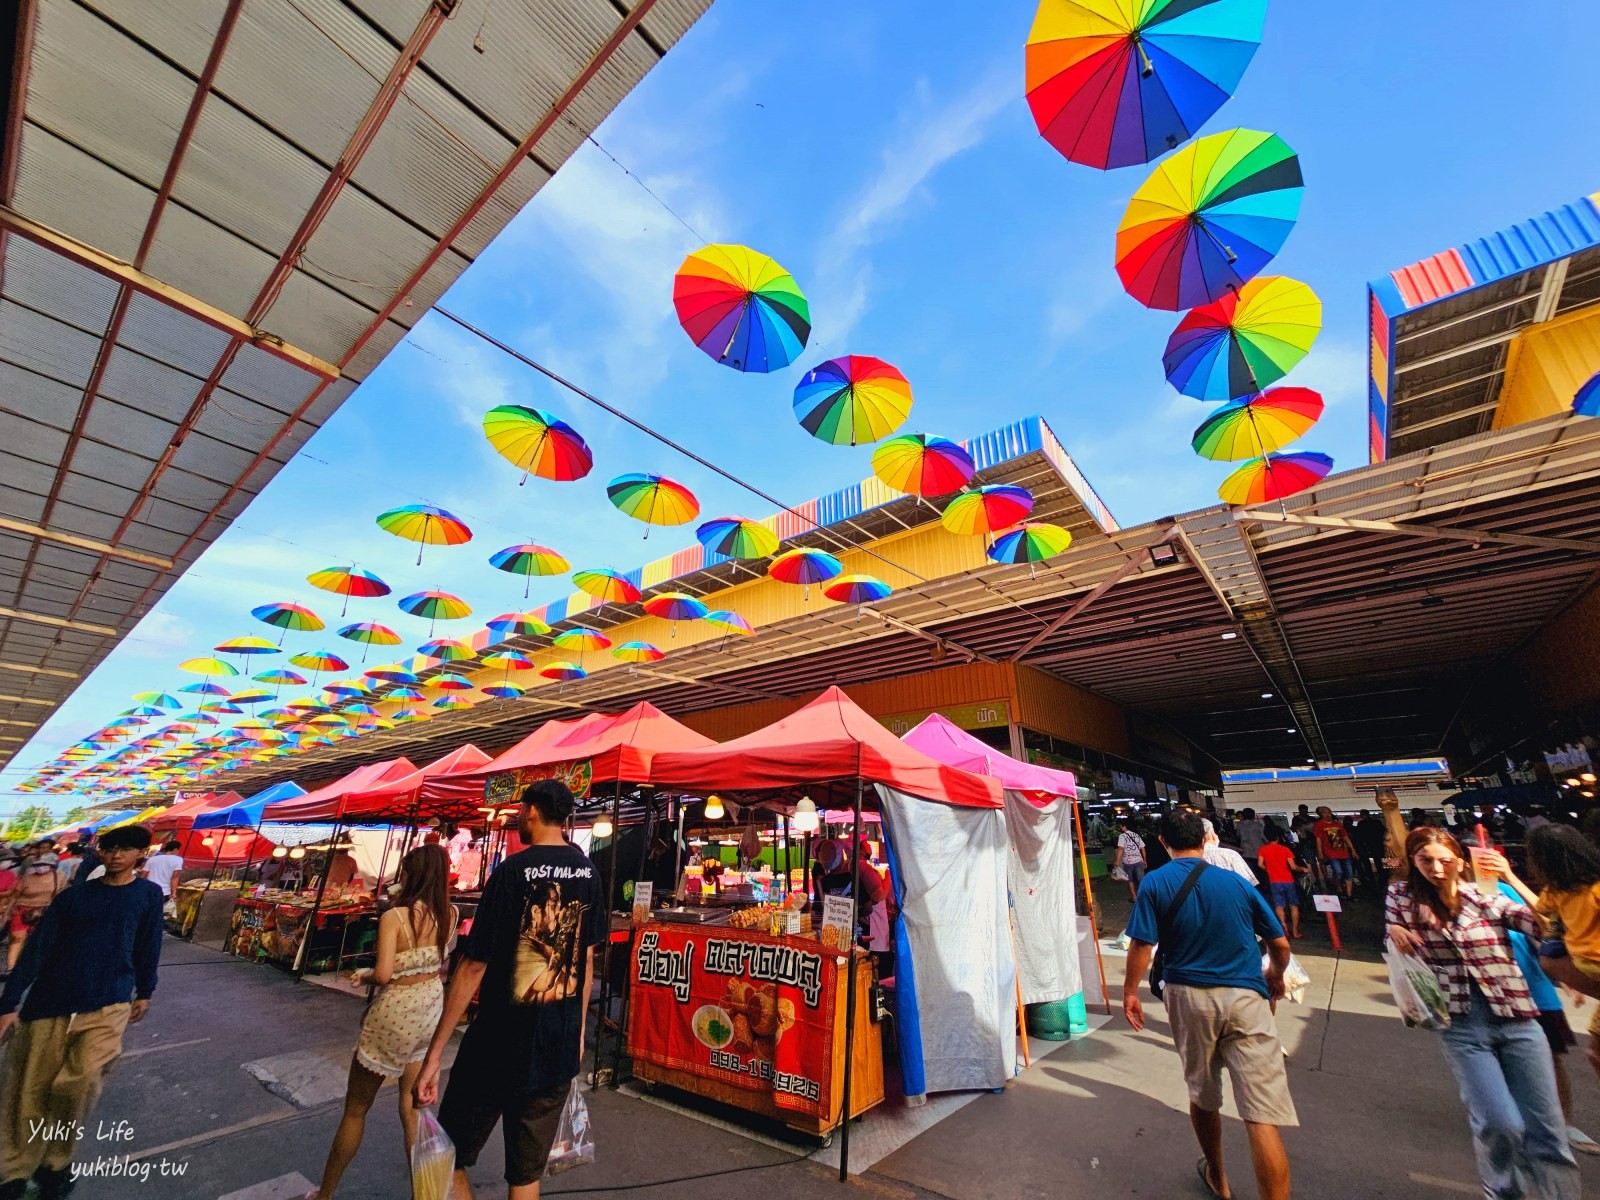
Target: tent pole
605,957
1094,918
677,854
383,863
850,984
316,905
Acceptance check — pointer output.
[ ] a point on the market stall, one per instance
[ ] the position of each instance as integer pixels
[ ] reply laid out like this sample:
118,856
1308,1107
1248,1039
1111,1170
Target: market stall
223,836
955,988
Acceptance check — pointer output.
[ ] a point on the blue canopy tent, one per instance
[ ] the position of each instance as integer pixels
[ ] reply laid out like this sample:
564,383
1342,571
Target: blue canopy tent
112,819
247,813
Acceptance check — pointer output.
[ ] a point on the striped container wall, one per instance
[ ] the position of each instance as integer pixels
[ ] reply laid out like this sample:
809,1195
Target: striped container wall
685,561
1378,379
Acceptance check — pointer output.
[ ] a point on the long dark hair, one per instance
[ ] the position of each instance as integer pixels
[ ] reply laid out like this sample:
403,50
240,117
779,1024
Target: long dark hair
1419,885
425,881
1562,859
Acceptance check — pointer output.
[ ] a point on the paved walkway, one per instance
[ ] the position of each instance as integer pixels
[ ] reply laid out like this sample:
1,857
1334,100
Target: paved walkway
1104,1116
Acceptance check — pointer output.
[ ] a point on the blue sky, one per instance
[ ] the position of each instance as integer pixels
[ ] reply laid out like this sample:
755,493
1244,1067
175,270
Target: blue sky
885,155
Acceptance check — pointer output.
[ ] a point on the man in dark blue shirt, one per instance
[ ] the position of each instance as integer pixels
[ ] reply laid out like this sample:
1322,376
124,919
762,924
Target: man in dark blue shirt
88,969
1218,1000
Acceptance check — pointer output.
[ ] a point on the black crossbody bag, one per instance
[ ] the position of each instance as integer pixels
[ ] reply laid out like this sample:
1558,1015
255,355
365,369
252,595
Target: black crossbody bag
1157,969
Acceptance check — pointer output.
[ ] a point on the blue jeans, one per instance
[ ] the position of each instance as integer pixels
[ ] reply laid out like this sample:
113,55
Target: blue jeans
1508,1083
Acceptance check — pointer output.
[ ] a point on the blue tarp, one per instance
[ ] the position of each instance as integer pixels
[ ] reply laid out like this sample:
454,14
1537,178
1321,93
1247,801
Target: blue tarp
247,813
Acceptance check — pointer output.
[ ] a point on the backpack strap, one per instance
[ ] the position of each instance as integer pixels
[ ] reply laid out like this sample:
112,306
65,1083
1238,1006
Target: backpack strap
1163,919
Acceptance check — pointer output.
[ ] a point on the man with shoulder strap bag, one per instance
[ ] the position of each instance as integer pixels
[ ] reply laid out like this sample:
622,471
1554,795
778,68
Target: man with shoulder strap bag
1219,1002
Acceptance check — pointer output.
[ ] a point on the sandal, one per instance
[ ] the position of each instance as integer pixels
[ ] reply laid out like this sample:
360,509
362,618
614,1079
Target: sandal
1203,1169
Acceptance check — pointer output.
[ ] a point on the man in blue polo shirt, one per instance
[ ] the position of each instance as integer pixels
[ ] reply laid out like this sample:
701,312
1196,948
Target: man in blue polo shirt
1218,1000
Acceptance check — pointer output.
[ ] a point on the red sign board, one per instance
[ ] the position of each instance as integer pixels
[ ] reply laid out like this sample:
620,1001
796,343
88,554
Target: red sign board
741,1008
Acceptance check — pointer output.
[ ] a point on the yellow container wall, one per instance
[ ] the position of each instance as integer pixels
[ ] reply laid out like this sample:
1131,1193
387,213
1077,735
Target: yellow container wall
1546,366
1066,711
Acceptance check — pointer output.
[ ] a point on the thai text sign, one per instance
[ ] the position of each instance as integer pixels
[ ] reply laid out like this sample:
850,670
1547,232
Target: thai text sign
741,1008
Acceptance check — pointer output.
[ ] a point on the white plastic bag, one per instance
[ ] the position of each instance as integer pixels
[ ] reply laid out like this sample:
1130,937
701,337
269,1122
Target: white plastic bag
1295,979
573,1145
433,1159
1422,1002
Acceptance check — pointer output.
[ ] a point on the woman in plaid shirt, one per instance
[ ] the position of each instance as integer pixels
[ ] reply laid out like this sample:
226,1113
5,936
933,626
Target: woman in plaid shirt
1494,1045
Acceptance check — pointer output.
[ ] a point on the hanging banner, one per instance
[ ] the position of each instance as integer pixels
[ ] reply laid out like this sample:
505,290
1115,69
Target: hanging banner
503,790
740,1008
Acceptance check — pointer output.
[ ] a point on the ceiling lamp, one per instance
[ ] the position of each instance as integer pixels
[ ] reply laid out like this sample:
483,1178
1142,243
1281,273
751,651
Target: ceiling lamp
280,851
298,852
806,818
714,809
602,826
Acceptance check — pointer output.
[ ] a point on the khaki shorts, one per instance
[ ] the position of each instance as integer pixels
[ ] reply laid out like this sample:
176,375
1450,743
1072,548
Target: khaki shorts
1230,1027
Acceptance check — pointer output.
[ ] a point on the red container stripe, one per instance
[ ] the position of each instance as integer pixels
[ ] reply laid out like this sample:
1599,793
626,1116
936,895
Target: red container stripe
1441,275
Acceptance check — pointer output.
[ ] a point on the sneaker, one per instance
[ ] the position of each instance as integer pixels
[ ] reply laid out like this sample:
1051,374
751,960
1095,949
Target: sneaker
1581,1141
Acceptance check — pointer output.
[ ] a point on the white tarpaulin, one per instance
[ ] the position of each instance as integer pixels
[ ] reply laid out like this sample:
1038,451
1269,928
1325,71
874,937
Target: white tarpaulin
1039,870
955,974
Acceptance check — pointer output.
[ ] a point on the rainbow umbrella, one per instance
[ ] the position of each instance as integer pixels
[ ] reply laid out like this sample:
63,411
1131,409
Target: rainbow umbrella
1246,340
741,308
370,633
158,698
252,696
675,606
804,567
921,464
581,638
317,661
852,399
737,537
503,691
1586,402
360,710
564,671
1274,476
449,683
856,589
1031,542
226,707
1259,425
607,585
328,721
406,715
390,673
373,724
144,710
508,660
426,525
452,703
280,678
402,693
637,652
1208,219
288,617
346,688
529,560
730,622
348,581
207,667
987,509
510,625
1112,83
436,606
653,499
447,649
538,443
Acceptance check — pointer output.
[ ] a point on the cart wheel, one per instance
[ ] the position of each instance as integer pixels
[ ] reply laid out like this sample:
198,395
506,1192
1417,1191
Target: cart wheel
827,1141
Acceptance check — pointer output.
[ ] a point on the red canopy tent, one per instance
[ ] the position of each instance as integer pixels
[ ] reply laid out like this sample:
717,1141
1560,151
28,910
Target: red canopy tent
623,746
461,794
830,739
325,803
180,817
395,800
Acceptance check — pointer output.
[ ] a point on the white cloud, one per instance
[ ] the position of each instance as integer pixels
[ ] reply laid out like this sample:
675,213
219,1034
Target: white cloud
160,635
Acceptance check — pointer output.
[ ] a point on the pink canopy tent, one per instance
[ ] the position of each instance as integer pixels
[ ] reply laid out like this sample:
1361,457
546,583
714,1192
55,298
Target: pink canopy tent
939,737
326,803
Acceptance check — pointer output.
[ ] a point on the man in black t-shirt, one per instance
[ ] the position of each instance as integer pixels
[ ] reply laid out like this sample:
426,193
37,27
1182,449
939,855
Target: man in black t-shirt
530,958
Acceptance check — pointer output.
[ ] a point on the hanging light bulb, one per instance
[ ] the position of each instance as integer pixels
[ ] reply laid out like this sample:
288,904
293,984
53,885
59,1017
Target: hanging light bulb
602,826
280,851
298,852
232,837
806,818
714,809
208,840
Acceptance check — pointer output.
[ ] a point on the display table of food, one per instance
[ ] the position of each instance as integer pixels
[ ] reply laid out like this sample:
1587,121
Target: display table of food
752,1019
273,925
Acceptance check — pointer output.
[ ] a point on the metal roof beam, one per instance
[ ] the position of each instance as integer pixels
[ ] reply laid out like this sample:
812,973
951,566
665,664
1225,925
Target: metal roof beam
1412,335
1135,562
80,543
58,622
1483,343
24,699
1555,278
25,669
1416,529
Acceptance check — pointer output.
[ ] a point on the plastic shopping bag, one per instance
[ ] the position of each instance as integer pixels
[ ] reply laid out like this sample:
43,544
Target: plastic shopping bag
433,1159
1417,993
1295,979
573,1145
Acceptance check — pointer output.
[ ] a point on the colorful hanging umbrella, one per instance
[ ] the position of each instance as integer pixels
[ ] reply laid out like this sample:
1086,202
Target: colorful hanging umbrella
921,464
288,617
503,691
226,707
1259,425
737,537
447,682
1031,542
510,625
564,671
402,693
208,667
158,698
637,652
1586,402
1245,341
436,606
988,509
407,715
730,622
346,688
852,399
370,633
529,560
252,696
447,649
373,724
605,584
538,443
390,673
741,308
1208,219
348,581
653,499
246,645
426,525
1274,476
581,638
1112,83
508,660
804,567
317,661
675,606
856,589
280,678
144,710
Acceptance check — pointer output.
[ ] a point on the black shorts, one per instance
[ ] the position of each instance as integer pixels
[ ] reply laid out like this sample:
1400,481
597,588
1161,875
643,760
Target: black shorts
476,1098
1556,1031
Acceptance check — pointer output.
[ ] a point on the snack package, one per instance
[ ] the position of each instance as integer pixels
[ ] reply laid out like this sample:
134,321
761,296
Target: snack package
433,1159
573,1145
1422,1002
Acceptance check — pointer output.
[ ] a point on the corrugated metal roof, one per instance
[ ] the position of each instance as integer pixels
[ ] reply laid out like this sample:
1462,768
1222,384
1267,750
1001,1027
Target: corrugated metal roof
193,277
